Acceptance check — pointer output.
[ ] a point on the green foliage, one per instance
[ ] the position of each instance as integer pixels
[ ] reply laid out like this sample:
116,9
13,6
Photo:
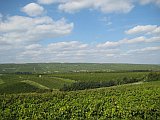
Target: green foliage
35,84
1,81
11,83
97,80
153,76
46,68
48,81
18,88
38,99
129,102
92,85
72,81
100,77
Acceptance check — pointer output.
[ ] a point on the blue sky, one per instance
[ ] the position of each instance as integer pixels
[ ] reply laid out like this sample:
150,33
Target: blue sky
105,31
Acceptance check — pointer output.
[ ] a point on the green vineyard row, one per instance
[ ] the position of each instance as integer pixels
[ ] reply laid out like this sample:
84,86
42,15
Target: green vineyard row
123,102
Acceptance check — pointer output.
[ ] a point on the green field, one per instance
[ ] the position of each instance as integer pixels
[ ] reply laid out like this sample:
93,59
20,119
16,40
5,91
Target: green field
12,83
133,102
73,67
55,91
100,76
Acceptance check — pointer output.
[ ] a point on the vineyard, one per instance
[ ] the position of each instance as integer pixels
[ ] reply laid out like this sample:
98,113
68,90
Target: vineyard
75,67
13,83
85,77
79,60
79,95
123,102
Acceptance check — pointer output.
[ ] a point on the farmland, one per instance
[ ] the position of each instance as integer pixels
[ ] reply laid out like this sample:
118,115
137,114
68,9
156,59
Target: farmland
13,83
79,91
46,68
123,102
100,76
79,59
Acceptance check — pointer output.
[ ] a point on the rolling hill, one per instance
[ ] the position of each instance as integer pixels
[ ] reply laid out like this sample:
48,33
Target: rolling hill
74,67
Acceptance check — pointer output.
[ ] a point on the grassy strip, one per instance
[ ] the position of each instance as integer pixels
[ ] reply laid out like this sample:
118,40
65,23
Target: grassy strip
1,81
64,79
35,84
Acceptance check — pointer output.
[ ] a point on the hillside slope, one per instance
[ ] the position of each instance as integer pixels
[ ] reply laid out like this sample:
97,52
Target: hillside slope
124,102
11,83
73,67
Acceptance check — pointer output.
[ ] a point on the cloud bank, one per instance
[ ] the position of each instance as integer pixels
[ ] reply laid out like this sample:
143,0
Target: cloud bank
20,29
105,6
21,36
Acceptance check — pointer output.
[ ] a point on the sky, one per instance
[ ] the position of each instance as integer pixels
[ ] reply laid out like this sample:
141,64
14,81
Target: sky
80,31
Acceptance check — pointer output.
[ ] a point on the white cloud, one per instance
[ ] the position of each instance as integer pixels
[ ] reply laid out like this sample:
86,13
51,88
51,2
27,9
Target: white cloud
33,9
155,31
75,51
144,2
108,44
19,29
157,48
47,2
31,54
146,29
71,51
106,6
146,49
20,37
141,39
33,46
61,46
